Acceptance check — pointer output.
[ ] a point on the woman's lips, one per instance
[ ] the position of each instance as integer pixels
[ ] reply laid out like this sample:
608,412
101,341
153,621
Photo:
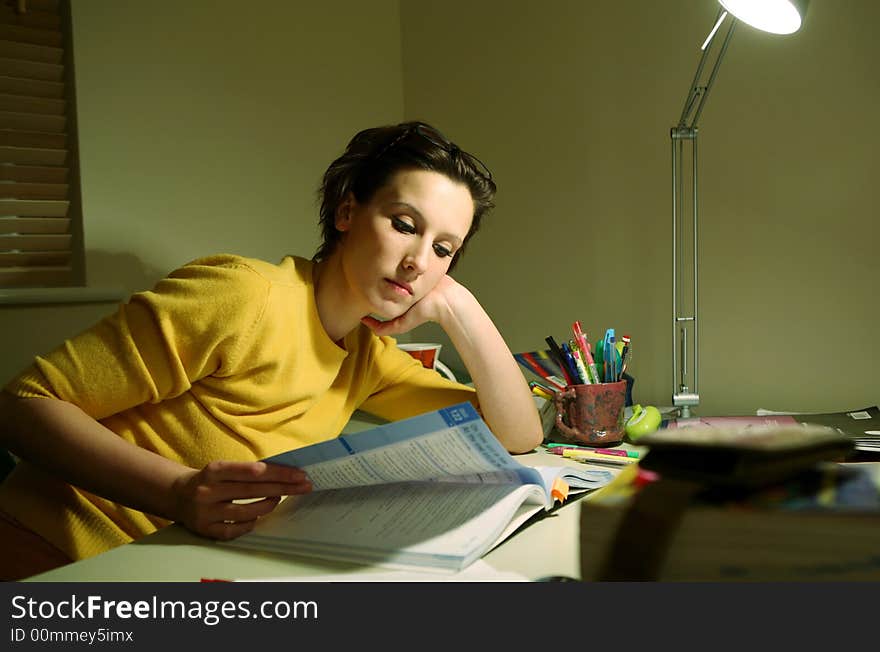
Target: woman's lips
401,287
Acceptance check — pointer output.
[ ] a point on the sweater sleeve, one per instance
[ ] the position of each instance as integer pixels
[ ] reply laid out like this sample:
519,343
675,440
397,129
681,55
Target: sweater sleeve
403,388
191,325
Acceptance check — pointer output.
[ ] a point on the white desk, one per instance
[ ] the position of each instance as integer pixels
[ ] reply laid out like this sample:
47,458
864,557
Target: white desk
547,547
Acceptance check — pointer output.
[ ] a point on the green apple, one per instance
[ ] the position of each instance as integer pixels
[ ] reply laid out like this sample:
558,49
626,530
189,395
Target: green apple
643,422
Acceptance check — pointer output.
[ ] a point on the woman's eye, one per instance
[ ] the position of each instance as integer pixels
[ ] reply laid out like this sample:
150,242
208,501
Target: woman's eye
442,251
402,225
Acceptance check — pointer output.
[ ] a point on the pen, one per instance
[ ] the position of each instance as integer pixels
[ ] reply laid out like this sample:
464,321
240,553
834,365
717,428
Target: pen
582,370
586,355
560,359
572,364
601,458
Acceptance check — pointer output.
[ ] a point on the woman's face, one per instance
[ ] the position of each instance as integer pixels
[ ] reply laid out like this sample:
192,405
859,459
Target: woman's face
396,247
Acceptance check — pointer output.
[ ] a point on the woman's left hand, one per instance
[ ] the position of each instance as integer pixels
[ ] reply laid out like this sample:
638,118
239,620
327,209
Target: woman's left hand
505,399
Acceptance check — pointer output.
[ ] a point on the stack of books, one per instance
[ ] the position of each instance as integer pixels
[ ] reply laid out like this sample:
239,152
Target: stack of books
727,504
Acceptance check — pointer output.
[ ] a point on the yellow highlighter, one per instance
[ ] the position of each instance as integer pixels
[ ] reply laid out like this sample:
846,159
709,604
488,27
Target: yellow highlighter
537,391
599,458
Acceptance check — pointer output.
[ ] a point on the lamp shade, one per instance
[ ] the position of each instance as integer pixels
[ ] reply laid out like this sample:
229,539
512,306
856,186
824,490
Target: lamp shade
775,16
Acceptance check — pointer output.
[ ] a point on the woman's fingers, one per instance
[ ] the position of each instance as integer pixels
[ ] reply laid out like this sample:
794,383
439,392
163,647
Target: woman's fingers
390,327
226,531
251,471
225,499
228,491
225,481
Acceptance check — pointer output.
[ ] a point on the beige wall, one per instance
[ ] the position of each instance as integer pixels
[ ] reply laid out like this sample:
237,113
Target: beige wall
205,126
570,103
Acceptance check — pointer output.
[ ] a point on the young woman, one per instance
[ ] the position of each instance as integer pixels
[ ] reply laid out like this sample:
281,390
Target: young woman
157,413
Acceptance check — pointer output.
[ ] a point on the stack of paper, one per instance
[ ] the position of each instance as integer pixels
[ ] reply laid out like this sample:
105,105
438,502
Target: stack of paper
862,426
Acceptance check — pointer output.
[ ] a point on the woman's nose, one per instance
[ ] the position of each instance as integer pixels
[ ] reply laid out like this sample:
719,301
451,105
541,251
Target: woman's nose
416,259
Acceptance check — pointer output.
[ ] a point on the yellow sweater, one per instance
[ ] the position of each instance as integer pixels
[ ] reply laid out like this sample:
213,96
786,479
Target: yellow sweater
225,359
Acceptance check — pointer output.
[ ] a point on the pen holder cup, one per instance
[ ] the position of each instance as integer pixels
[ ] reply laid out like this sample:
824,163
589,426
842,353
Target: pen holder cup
592,415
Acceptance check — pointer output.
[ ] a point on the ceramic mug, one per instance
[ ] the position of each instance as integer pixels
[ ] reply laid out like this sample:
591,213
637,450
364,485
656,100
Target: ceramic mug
429,355
592,414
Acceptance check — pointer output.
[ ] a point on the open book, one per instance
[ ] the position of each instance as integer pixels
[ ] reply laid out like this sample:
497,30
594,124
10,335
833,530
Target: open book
433,491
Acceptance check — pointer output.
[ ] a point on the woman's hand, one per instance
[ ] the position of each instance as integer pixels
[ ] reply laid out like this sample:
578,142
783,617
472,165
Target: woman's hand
206,500
431,307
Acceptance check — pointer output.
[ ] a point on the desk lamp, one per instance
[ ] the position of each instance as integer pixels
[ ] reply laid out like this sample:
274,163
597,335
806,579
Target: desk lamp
777,17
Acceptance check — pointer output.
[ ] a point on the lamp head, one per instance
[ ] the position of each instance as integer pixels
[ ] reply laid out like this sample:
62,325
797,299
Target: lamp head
775,16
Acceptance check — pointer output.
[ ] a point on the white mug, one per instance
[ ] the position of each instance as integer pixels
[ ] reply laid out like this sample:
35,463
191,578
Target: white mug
429,355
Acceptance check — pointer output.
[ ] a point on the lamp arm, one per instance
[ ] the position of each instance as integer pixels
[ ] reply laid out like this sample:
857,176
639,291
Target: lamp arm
697,94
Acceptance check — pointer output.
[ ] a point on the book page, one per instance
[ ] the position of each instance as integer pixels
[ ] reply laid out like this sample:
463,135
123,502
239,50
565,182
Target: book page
445,453
447,443
439,525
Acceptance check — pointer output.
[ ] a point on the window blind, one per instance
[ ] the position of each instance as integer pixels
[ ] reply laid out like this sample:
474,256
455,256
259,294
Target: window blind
40,215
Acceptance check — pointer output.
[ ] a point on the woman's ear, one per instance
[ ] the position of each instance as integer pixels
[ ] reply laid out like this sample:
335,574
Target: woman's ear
344,212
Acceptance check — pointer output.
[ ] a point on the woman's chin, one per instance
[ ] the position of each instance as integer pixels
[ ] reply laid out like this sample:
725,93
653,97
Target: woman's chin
388,310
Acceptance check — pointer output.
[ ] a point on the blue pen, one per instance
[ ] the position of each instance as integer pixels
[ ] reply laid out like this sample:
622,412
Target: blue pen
563,366
615,364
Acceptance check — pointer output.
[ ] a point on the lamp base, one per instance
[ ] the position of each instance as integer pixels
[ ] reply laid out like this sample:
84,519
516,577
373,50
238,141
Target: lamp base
685,400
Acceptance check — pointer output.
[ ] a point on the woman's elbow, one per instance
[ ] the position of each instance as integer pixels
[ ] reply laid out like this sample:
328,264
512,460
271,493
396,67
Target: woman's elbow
526,444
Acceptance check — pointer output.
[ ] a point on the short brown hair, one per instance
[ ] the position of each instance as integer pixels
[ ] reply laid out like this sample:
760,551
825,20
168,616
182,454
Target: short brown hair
374,155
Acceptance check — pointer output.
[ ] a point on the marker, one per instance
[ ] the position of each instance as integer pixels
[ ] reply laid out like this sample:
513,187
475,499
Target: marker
537,391
609,355
558,449
591,364
529,362
535,384
625,354
601,458
543,358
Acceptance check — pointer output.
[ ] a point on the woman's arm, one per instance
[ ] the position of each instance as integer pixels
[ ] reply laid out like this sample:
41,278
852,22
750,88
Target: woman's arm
62,439
504,395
